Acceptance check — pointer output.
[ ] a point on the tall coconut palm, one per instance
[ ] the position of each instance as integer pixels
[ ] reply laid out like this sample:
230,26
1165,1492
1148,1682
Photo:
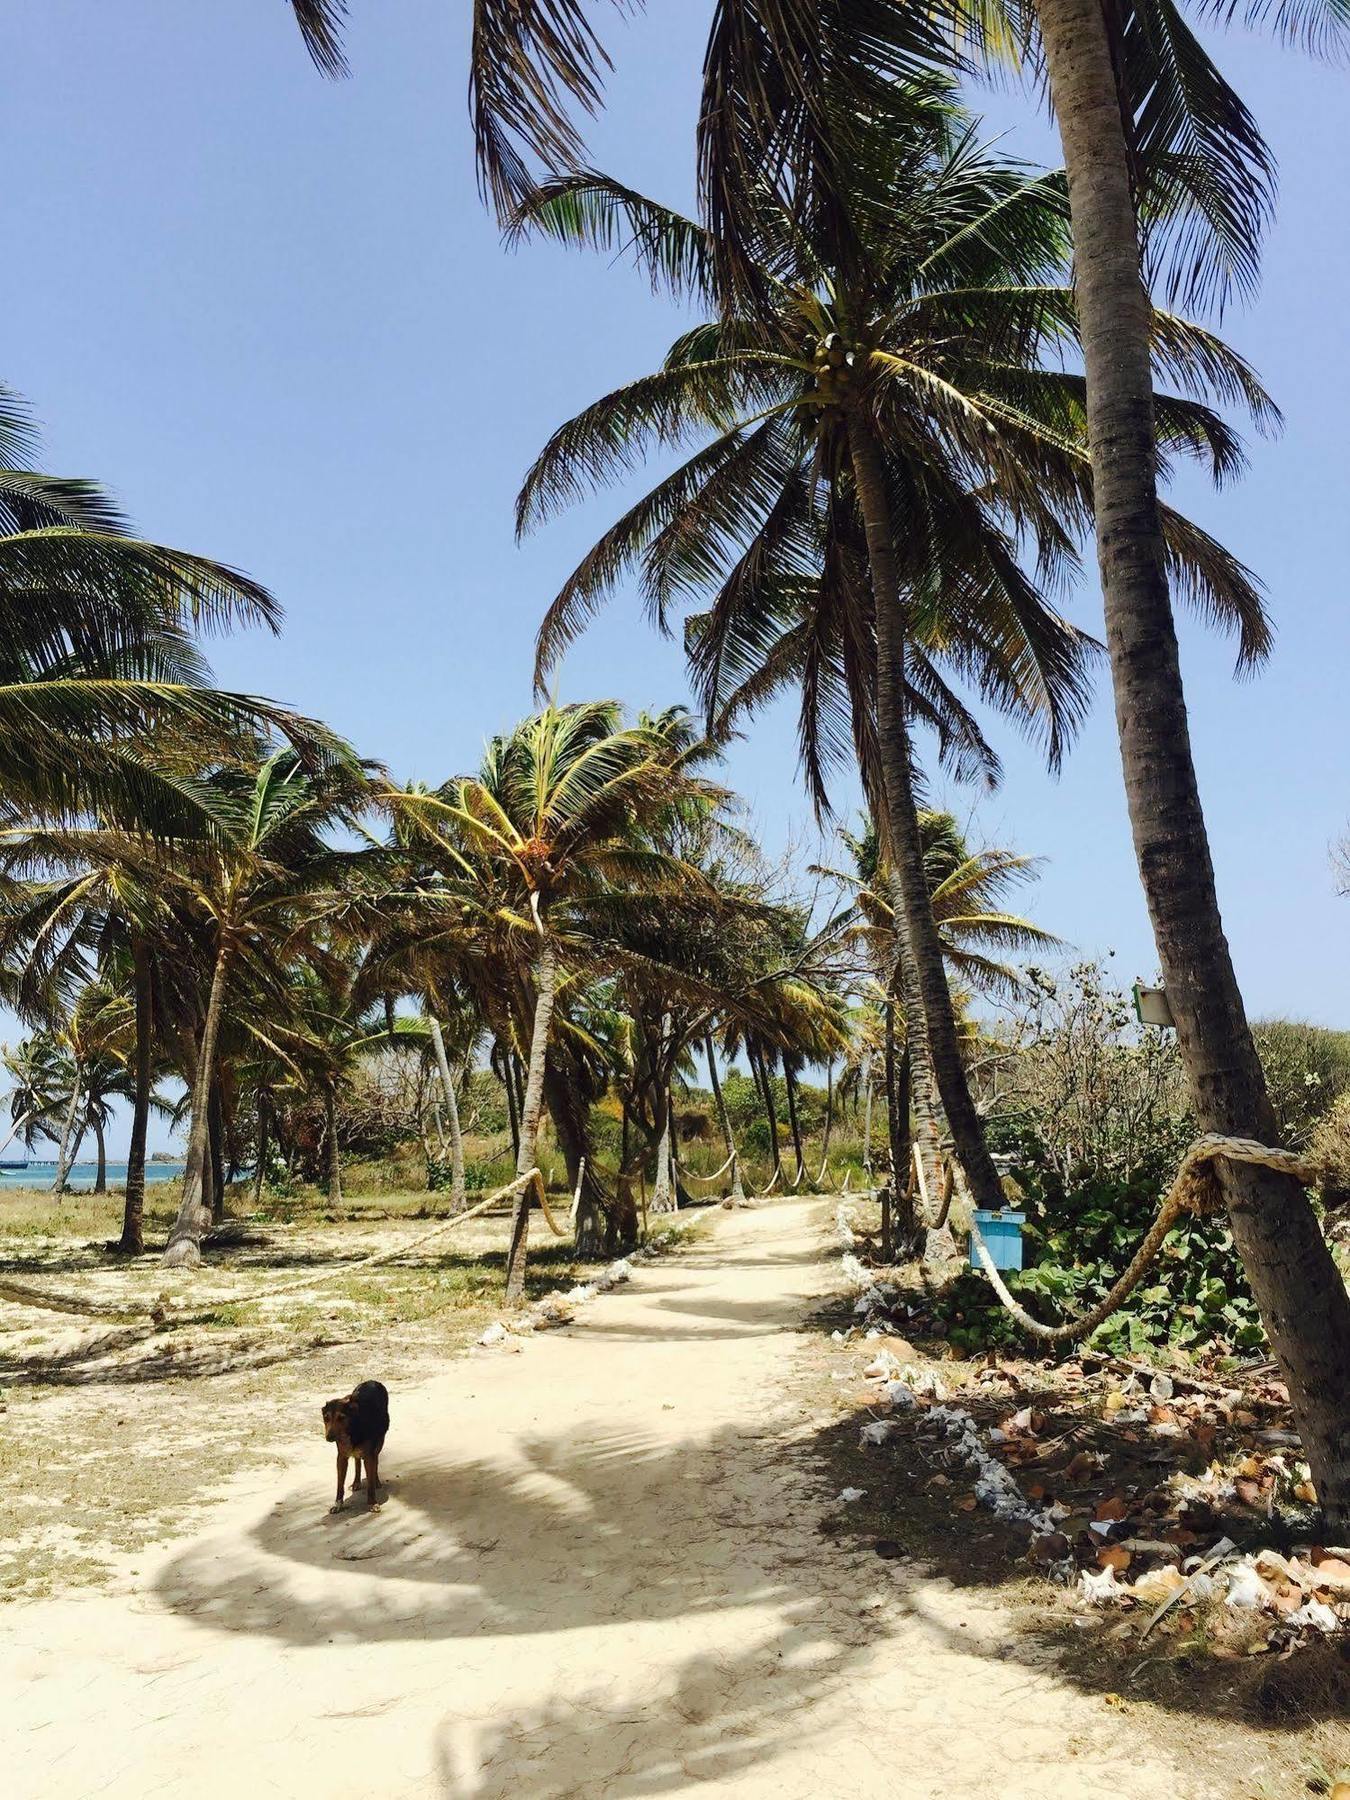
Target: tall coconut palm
78,900
548,829
1168,179
272,873
966,889
895,424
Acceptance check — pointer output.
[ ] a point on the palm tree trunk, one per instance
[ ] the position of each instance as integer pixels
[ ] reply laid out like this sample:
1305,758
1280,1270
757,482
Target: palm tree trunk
457,1191
518,1075
1302,1297
905,844
765,1079
922,1088
829,1113
184,1249
867,1115
132,1241
794,1124
900,1217
665,1198
546,982
334,1150
260,1152
101,1166
512,1110
65,1155
215,1127
724,1120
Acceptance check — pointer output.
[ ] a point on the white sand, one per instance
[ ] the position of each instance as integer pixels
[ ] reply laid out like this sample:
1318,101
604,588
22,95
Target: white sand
597,1573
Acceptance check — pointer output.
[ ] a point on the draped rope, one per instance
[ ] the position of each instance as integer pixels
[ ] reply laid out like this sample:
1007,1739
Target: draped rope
161,1310
1195,1189
716,1175
774,1183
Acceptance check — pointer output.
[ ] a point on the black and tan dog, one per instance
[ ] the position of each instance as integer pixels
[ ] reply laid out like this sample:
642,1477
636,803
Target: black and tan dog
358,1426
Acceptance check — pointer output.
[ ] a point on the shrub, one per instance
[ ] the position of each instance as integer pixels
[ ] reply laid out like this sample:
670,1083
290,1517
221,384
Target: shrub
1094,1120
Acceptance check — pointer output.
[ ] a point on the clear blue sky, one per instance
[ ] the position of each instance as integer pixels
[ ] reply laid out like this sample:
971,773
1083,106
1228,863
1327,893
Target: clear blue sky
272,314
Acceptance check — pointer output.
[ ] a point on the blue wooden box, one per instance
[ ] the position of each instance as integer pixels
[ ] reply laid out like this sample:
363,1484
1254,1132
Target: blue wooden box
1002,1234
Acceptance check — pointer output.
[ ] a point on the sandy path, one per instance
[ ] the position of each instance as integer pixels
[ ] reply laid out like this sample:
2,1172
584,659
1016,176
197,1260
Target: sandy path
598,1573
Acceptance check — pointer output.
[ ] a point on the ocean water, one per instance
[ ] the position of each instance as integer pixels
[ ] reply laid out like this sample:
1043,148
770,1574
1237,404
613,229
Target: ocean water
81,1177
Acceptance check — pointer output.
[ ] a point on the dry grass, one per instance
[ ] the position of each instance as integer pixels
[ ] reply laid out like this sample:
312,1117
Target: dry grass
114,1431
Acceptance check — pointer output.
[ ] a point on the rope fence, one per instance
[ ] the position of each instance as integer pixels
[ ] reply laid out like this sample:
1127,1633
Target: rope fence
161,1310
1195,1189
716,1175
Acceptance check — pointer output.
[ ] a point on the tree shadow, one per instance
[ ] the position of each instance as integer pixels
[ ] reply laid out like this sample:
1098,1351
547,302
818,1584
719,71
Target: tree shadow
170,1359
723,1716
740,1319
973,1550
487,1548
559,1539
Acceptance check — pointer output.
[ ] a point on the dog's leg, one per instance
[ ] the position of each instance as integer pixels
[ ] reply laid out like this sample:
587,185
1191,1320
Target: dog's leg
342,1478
356,1472
372,1477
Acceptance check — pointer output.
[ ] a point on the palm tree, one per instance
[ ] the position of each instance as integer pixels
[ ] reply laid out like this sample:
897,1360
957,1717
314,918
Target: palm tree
966,890
79,902
545,831
35,1098
104,695
902,377
272,875
1167,176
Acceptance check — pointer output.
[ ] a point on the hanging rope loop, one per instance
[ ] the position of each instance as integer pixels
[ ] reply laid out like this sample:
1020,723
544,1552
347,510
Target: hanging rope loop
161,1310
1195,1190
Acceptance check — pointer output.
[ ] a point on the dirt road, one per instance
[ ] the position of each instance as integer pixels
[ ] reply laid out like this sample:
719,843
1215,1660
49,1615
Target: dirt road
597,1573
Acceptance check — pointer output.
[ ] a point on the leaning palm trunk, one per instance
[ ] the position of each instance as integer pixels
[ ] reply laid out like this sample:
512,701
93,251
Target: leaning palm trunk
457,1189
512,1109
531,1111
939,1247
66,1155
794,1123
1302,1298
911,901
132,1241
184,1249
900,1224
922,1088
724,1120
765,1081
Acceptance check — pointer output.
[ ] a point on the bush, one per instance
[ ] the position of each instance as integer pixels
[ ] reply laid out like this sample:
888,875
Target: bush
1095,1122
1307,1073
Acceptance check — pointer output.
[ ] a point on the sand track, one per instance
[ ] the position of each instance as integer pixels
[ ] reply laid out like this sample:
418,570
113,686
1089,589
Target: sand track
597,1573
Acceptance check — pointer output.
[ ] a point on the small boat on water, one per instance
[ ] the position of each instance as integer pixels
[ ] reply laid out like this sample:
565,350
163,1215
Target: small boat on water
10,1162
